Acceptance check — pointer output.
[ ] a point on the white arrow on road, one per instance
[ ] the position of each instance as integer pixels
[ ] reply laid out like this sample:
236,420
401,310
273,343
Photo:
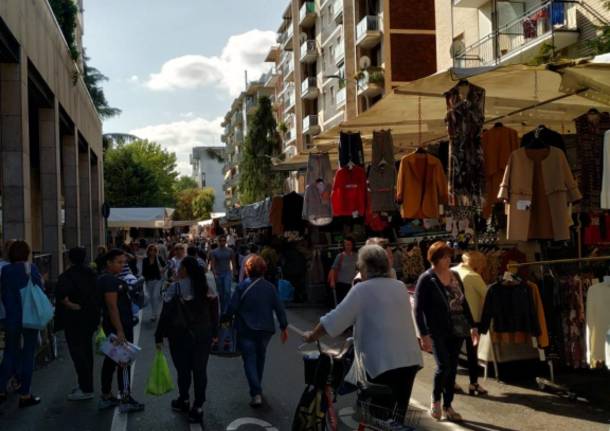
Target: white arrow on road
236,424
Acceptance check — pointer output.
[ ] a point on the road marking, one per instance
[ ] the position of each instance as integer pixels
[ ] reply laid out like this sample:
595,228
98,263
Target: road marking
120,420
236,424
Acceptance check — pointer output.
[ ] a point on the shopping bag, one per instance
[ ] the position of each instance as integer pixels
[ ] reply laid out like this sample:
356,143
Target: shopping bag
160,380
100,337
227,341
36,307
286,290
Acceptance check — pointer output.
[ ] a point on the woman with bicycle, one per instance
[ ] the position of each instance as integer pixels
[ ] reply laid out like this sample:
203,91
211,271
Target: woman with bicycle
379,309
254,303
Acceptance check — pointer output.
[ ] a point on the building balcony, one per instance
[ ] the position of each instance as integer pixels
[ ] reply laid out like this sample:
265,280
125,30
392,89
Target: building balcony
469,3
309,89
338,11
341,97
371,82
311,125
239,136
251,104
289,101
308,14
551,23
285,38
309,52
340,53
272,78
368,32
288,70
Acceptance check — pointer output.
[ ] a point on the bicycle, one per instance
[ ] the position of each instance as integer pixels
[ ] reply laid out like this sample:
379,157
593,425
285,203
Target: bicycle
325,371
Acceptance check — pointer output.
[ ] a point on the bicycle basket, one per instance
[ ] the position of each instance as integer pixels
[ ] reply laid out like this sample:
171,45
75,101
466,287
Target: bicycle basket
380,418
317,368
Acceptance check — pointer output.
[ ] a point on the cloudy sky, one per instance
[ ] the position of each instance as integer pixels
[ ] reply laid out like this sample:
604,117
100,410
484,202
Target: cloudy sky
175,67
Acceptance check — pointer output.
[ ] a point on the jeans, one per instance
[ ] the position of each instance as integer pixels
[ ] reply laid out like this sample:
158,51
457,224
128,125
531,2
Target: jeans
223,284
19,357
446,350
153,289
190,355
400,381
80,345
253,347
109,366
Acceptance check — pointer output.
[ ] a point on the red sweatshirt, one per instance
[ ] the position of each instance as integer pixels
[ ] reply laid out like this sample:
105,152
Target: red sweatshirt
349,192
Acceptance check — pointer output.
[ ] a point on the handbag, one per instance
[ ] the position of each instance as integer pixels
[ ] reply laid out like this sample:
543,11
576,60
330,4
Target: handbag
460,325
37,310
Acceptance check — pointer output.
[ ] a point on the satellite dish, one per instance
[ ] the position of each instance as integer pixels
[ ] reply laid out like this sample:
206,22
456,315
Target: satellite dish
365,62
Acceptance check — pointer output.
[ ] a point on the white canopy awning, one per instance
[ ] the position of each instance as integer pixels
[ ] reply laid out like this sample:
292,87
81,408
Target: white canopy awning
155,218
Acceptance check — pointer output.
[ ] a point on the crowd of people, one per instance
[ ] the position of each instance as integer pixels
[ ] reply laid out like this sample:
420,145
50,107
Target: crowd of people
192,289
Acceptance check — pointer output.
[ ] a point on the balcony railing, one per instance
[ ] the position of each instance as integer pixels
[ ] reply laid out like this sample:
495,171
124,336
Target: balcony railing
371,82
339,52
341,97
535,24
338,11
310,124
285,38
309,51
288,69
308,13
368,28
309,88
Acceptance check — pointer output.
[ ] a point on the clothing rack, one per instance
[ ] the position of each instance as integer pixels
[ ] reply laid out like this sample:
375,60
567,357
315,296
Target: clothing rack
557,261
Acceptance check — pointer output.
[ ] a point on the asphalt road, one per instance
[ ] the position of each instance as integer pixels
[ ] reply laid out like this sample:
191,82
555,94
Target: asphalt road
507,408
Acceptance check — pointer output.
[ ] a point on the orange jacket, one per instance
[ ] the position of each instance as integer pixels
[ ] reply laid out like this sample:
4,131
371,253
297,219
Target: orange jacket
421,186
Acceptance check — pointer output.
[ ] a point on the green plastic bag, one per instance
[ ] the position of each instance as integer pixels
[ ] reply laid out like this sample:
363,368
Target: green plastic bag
160,379
100,337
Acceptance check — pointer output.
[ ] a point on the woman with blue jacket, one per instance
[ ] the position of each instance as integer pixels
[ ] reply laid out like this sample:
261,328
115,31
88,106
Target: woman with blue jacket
253,304
20,342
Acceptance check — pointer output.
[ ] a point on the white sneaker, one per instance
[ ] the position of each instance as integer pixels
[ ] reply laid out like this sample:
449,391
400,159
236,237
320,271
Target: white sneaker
257,401
78,395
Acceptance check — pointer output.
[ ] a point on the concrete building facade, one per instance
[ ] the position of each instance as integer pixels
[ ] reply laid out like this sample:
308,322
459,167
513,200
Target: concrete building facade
480,33
208,171
51,178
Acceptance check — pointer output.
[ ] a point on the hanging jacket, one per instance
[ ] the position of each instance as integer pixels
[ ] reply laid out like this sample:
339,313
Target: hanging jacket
421,186
349,192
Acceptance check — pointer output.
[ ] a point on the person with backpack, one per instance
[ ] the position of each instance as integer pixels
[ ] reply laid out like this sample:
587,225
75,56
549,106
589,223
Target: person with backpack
253,304
79,307
189,320
20,342
343,270
117,319
153,268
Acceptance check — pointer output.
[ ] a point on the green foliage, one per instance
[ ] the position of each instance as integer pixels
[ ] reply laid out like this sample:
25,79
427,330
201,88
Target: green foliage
66,14
93,79
139,174
194,204
257,180
185,182
600,44
546,54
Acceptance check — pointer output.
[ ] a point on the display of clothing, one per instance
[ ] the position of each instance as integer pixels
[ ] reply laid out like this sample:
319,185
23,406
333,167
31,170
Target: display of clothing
465,118
573,315
275,215
545,136
591,128
498,144
598,321
548,197
421,186
382,173
316,206
348,195
292,212
350,149
605,193
256,215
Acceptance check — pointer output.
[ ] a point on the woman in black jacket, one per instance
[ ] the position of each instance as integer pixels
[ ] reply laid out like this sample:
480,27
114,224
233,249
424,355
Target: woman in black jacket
189,319
444,321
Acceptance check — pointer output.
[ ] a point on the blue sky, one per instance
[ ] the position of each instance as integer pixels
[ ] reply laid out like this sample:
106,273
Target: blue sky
174,67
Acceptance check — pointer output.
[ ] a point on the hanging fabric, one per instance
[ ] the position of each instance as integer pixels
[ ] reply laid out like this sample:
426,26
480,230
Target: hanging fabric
465,118
316,206
382,173
348,195
350,149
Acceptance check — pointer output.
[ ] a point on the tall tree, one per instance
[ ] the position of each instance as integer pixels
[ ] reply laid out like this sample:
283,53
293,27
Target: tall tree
140,173
257,180
203,204
93,79
194,204
185,182
66,12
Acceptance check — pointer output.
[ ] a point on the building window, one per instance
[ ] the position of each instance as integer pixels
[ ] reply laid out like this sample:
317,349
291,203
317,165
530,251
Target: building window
203,180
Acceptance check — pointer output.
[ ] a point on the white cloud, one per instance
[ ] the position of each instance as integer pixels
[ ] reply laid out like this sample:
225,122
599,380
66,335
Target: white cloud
242,52
181,136
134,78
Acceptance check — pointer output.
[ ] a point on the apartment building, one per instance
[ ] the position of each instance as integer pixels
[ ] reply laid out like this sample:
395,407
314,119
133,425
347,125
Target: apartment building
337,58
235,125
480,33
51,164
208,166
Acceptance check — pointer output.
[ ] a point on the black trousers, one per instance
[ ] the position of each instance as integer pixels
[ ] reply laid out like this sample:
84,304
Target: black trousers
342,289
80,344
473,361
446,350
400,380
350,149
109,365
190,354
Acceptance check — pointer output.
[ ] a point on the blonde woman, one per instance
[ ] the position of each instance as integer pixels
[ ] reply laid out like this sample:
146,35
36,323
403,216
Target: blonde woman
153,267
